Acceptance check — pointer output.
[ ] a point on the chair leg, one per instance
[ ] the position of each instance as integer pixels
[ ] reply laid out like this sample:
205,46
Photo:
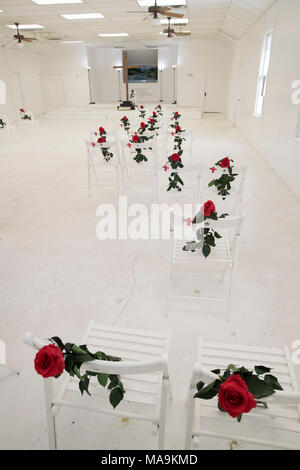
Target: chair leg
48,387
162,413
228,306
190,418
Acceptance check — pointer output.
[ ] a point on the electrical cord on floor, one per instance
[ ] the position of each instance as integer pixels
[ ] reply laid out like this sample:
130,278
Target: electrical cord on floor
123,308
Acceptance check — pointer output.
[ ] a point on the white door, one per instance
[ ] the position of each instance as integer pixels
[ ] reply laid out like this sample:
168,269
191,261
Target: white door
215,91
54,87
17,90
41,92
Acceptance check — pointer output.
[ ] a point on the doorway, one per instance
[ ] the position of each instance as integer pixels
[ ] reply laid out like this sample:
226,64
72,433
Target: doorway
55,93
215,91
17,90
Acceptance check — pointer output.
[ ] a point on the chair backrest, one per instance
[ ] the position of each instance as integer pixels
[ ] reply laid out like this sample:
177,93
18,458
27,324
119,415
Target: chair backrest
96,157
288,397
111,367
149,146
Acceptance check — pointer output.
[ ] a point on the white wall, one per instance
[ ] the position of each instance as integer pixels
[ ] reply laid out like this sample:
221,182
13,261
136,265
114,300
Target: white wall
273,135
29,66
105,82
195,58
71,62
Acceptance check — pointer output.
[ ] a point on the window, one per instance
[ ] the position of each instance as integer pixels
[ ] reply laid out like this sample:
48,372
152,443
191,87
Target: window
298,126
263,73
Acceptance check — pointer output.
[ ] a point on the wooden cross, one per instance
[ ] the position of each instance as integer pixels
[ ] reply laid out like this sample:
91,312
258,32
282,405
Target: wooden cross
126,68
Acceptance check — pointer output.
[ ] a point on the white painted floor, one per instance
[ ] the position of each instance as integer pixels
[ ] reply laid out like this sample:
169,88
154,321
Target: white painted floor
56,276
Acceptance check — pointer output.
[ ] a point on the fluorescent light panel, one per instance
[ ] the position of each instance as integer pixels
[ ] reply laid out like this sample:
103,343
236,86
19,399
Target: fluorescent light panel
113,35
55,2
161,3
83,16
175,21
25,26
72,42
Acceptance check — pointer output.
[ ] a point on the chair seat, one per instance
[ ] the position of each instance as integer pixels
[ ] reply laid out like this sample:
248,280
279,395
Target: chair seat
279,422
142,390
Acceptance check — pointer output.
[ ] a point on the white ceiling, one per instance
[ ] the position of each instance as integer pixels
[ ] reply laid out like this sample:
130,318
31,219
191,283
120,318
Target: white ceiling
207,18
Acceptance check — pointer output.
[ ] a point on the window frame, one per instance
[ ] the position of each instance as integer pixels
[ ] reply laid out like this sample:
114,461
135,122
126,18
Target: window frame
265,60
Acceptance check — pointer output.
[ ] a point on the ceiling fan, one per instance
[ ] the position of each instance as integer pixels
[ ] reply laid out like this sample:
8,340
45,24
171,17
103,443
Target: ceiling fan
170,32
22,38
155,10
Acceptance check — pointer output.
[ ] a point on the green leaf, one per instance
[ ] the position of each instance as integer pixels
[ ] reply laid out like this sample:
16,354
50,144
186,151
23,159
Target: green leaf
261,370
259,388
232,367
115,396
114,381
206,250
216,371
102,379
239,418
211,183
84,384
209,391
200,385
59,342
273,382
217,235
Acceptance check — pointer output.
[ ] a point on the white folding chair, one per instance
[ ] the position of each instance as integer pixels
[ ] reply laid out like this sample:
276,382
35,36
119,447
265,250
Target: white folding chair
143,370
33,123
190,191
9,129
200,271
140,177
187,146
111,136
232,204
102,173
277,426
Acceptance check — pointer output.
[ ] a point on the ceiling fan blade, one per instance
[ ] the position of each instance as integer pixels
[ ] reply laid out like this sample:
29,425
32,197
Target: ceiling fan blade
179,33
163,9
29,39
132,11
173,15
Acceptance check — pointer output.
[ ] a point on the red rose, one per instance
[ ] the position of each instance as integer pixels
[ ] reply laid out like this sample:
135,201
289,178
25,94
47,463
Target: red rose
175,157
176,114
49,361
101,140
178,128
143,125
225,163
141,107
208,208
154,113
21,110
151,121
101,130
234,396
159,106
135,138
125,118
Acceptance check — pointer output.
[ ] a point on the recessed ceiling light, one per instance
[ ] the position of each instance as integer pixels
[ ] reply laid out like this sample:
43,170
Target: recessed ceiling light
161,3
113,35
83,16
72,42
175,21
25,26
54,2
1,11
